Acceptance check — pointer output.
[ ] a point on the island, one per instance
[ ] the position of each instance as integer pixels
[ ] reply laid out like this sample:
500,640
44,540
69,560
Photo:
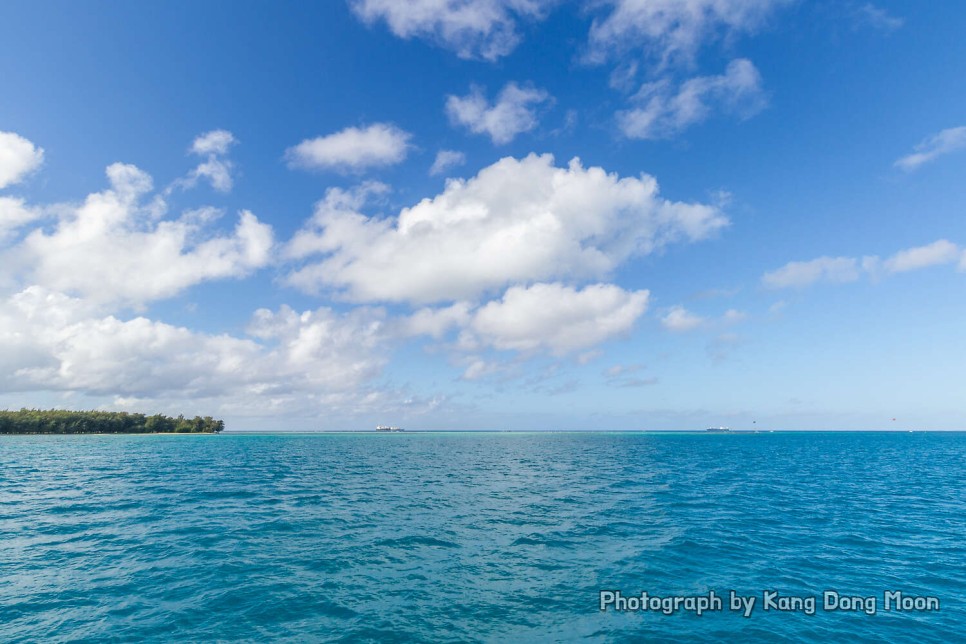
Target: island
62,421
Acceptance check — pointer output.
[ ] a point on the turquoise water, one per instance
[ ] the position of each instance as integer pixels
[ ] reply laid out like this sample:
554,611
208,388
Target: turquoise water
475,537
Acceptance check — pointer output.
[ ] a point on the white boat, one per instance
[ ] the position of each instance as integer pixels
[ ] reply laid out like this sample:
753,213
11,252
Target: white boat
387,428
718,430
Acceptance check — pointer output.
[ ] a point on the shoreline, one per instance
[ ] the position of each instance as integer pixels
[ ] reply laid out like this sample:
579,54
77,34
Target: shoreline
360,432
111,433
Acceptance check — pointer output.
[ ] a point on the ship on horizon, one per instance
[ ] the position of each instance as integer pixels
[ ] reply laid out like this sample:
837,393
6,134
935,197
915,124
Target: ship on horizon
718,430
388,428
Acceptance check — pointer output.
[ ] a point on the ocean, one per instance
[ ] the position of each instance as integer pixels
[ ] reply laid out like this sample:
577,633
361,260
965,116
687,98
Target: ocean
490,537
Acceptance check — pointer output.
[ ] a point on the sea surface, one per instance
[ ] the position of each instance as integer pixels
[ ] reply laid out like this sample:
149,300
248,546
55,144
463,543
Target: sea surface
494,537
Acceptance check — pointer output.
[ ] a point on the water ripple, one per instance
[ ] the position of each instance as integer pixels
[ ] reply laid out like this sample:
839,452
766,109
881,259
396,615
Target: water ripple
474,537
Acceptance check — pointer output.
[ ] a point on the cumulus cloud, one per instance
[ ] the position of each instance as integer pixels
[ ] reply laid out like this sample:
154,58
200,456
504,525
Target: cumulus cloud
670,31
557,318
436,322
215,142
338,205
484,29
14,213
65,328
352,149
446,159
544,317
849,269
217,172
946,142
513,112
680,319
63,344
517,221
18,158
216,169
50,341
112,248
664,112
323,348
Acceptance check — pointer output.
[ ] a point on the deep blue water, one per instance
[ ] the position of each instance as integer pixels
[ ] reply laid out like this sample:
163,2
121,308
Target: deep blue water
475,537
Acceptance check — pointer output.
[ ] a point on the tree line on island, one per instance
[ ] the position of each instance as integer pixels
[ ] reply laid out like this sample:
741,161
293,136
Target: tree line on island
61,421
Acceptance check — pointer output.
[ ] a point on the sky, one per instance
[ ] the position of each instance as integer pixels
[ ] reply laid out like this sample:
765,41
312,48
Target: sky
486,214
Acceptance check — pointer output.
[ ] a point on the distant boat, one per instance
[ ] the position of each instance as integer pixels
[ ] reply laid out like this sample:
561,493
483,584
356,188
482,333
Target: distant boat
387,428
718,430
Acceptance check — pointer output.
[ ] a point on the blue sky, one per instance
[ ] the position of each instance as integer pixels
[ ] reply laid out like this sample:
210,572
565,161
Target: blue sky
471,214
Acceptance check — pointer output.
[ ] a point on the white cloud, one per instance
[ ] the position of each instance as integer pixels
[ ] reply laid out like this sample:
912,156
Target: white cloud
216,169
479,368
941,144
542,317
517,221
849,269
217,172
18,158
797,274
664,113
49,341
472,28
64,329
14,213
113,249
436,322
64,345
446,159
512,113
215,142
680,319
672,30
352,149
322,348
934,254
557,318
338,205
